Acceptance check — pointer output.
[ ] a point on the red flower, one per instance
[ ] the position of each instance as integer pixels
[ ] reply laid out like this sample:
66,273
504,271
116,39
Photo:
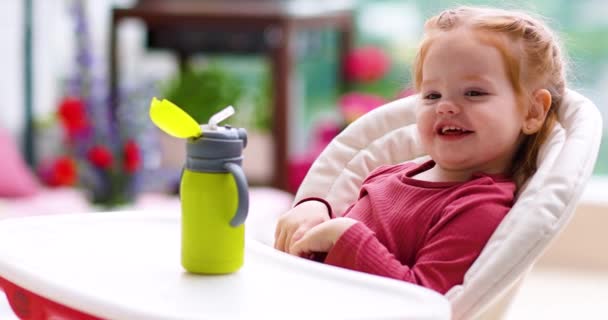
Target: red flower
132,157
72,115
366,64
62,172
354,104
100,156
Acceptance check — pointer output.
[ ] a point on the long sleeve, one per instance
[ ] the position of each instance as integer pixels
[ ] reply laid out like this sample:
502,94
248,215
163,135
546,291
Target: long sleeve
451,245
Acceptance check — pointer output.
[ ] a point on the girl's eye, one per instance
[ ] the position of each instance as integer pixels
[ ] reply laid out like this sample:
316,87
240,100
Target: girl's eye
474,93
432,96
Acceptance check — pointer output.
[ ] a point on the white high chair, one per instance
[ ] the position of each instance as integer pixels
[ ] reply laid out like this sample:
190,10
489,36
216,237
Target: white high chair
545,204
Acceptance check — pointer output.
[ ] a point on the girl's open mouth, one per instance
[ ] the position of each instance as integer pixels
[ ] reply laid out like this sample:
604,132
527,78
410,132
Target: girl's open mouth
452,131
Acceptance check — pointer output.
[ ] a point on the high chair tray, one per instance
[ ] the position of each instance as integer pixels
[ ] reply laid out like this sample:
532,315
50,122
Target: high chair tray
126,265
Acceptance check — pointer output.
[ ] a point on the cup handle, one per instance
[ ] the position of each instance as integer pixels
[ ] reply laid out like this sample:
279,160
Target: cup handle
243,193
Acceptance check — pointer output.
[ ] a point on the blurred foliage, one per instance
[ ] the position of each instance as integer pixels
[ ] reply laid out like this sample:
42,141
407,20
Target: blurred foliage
204,89
204,92
601,166
263,104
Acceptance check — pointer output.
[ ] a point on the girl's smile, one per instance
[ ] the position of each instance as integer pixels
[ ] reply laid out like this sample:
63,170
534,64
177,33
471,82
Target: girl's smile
468,116
452,131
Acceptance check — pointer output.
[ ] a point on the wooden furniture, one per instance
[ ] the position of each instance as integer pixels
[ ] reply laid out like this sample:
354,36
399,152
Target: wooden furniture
277,21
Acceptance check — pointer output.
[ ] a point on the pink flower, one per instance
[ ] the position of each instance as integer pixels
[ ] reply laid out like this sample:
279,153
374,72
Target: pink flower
323,132
354,104
298,168
366,64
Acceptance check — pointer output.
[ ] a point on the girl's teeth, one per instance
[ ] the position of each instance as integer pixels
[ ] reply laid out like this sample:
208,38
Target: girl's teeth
446,129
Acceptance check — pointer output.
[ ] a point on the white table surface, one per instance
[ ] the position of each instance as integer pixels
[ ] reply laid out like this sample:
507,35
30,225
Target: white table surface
126,265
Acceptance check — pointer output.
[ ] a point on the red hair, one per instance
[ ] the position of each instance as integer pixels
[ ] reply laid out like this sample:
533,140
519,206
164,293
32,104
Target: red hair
532,59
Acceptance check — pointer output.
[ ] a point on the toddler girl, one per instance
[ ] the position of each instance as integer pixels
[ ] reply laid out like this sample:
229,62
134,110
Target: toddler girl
489,82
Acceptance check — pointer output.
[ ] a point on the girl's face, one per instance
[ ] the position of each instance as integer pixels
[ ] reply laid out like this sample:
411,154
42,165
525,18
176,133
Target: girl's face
467,115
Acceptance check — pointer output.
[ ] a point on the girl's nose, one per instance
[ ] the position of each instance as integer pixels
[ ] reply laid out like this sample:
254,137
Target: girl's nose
447,107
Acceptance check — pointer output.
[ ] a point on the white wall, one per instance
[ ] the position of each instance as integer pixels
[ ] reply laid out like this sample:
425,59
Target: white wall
54,53
11,62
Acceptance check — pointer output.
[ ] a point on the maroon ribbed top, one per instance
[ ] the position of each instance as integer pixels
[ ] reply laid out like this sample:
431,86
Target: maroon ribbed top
427,233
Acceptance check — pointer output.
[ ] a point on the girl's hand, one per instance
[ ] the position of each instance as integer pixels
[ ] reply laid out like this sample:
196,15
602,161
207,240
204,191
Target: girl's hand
322,237
294,223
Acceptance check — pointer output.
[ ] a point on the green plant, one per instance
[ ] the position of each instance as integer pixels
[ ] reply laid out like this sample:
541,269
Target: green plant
205,91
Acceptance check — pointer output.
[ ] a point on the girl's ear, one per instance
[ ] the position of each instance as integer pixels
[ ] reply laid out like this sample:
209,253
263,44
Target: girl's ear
537,112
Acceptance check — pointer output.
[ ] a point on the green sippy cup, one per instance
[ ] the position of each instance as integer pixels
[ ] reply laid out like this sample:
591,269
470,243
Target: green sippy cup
213,189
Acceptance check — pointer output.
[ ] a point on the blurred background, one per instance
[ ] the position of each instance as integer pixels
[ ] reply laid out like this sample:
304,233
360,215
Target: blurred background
79,76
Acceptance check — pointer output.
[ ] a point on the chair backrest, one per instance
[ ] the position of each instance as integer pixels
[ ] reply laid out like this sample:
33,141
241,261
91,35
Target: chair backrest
544,205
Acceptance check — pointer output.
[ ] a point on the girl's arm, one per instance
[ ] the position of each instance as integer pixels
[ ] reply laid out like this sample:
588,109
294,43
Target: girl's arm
441,262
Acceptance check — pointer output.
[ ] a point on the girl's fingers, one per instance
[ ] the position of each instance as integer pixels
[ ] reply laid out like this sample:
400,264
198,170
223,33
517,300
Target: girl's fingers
302,246
296,236
297,249
281,226
277,232
287,242
279,243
